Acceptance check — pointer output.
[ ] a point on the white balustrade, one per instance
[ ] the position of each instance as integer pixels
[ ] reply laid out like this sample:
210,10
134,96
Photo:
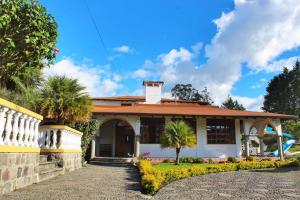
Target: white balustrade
17,125
59,137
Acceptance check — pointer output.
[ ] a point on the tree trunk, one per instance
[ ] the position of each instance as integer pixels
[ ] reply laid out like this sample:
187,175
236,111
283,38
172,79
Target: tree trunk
177,156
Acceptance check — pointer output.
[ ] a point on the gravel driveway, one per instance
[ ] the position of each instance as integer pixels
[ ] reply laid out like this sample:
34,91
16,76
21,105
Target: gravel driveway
263,184
107,182
92,182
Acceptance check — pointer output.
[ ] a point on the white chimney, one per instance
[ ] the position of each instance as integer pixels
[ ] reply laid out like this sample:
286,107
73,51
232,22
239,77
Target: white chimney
153,91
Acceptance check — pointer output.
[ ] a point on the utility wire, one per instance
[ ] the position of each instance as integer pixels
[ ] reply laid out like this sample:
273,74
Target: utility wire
96,28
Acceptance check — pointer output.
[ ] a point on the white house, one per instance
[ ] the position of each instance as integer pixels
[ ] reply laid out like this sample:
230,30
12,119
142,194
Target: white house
132,125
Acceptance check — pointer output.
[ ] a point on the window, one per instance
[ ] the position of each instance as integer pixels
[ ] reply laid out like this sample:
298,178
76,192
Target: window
151,129
189,121
220,131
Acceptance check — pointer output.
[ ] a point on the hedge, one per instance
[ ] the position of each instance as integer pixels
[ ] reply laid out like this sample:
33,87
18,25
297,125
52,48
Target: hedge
152,179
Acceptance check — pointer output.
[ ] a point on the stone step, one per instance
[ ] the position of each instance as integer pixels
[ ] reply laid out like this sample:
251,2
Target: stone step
113,159
43,158
112,164
49,173
47,165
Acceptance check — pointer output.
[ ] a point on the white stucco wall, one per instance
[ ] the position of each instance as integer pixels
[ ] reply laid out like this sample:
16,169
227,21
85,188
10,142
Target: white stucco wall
202,149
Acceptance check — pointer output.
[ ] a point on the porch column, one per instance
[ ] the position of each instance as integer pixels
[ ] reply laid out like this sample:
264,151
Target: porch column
238,138
137,137
247,126
93,146
137,145
280,150
261,146
279,138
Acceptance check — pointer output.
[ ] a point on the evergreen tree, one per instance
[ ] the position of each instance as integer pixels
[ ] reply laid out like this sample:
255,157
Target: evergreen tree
229,103
283,92
189,93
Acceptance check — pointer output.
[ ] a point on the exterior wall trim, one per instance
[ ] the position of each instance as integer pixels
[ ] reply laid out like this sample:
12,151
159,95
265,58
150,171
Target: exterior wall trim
60,151
21,109
18,149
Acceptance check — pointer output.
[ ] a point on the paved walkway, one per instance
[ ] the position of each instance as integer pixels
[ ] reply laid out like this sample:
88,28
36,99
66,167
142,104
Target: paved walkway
104,182
264,184
92,182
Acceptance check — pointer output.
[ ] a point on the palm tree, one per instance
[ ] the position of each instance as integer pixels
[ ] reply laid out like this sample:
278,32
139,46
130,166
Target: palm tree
177,134
64,100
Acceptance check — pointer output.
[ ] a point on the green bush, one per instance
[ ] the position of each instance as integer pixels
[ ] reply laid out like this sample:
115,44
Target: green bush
167,160
152,179
232,160
251,158
191,160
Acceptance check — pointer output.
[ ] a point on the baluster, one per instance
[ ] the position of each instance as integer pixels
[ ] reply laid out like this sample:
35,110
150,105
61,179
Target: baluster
36,133
27,131
32,132
8,127
43,138
22,130
3,111
15,129
48,139
62,139
54,138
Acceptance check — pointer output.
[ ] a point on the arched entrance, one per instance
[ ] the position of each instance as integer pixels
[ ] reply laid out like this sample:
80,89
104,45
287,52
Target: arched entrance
115,139
257,132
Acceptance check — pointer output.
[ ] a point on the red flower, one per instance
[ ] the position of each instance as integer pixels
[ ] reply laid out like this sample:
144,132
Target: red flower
56,50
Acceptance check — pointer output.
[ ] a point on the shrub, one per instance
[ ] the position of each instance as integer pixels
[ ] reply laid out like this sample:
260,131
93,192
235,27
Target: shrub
210,161
152,179
191,160
167,160
250,158
232,160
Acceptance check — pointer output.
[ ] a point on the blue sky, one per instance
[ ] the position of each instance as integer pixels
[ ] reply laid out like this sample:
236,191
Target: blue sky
231,47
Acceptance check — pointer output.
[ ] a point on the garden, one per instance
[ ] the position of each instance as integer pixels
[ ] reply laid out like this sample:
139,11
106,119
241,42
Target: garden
156,176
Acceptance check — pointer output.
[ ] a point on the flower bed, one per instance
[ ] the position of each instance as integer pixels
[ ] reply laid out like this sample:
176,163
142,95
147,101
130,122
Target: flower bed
153,178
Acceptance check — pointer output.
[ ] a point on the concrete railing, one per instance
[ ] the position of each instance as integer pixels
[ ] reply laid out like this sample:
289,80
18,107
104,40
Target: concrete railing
59,137
19,127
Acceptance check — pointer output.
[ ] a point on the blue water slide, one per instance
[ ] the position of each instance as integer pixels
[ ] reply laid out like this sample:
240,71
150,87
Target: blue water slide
269,130
288,144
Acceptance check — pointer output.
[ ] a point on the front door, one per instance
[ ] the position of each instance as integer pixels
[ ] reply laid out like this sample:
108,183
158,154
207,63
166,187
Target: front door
124,140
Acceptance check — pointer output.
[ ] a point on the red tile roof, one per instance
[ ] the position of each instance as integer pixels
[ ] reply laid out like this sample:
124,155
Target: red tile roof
183,109
142,99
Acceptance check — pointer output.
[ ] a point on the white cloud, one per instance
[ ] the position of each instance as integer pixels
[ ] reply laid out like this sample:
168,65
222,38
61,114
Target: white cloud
174,56
141,73
123,49
277,65
97,79
252,104
197,47
254,33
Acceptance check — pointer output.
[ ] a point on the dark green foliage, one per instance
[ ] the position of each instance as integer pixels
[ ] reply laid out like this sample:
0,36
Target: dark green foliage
229,103
232,160
64,100
28,36
191,160
292,127
187,92
88,129
283,92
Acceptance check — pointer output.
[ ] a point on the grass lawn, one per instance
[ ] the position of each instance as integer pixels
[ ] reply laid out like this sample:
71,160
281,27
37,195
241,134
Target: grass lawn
295,148
169,166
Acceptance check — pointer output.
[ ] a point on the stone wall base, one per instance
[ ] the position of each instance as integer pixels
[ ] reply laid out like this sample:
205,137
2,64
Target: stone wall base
18,170
68,161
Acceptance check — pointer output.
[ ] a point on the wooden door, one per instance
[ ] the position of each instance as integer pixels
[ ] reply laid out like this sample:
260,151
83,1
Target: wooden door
124,141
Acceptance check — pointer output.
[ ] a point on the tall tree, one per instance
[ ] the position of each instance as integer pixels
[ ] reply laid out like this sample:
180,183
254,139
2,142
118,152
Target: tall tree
229,103
283,92
28,37
64,100
177,134
188,92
